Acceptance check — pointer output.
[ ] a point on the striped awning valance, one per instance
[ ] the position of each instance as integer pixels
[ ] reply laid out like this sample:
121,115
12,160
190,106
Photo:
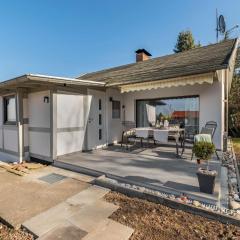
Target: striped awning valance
173,82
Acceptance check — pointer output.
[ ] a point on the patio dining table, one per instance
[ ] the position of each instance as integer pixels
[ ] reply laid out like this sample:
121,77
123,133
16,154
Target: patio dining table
162,135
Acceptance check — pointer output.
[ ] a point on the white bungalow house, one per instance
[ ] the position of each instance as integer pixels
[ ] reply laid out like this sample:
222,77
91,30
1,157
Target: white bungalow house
45,117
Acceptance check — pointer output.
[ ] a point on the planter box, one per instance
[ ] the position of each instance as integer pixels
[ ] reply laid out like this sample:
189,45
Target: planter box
206,182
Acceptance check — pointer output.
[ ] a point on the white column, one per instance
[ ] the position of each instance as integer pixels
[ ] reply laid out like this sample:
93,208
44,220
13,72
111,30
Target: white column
19,97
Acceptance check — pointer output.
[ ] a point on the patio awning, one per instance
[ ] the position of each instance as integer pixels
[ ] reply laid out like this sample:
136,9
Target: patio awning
173,82
35,81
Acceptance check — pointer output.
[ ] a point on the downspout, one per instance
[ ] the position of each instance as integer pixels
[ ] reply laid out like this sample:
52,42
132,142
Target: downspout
225,137
226,99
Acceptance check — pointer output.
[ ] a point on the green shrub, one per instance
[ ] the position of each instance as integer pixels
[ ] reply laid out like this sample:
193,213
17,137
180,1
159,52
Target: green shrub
203,150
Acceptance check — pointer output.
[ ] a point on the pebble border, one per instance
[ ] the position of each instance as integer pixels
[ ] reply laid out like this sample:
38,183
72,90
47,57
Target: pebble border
230,162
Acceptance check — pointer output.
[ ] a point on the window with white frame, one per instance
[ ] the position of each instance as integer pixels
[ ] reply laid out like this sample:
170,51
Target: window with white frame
10,116
116,109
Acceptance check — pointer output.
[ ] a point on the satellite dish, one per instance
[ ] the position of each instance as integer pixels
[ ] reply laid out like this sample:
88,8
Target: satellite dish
221,24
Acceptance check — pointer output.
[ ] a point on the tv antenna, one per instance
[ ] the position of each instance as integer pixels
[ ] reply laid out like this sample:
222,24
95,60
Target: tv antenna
221,25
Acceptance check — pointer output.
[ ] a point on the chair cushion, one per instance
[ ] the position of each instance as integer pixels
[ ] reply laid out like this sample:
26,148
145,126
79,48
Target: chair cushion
203,138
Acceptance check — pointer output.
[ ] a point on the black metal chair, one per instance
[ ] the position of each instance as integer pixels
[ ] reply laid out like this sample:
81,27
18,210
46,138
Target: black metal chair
210,128
206,130
126,136
213,125
188,137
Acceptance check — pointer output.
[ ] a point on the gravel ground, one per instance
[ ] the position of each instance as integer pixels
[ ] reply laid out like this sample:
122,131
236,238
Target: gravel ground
7,233
157,222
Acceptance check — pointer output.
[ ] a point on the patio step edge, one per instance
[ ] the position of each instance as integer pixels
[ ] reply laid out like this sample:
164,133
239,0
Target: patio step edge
96,173
78,169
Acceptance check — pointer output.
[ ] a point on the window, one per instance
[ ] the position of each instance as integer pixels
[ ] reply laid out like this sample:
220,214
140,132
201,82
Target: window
10,110
115,109
100,104
100,119
183,111
100,134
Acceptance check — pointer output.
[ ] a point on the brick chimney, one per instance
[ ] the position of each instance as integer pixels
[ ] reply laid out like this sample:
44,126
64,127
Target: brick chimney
142,55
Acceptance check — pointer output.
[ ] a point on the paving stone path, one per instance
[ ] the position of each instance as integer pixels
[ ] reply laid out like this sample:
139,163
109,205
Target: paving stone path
82,216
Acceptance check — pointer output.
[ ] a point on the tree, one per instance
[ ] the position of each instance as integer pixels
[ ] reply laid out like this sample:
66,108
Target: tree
234,106
185,41
233,102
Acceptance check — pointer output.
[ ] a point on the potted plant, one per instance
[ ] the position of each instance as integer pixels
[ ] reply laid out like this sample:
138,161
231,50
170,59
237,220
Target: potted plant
206,177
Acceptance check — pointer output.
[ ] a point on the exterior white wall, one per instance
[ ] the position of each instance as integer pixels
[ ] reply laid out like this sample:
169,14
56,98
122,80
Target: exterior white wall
39,111
10,138
114,126
71,123
39,124
211,103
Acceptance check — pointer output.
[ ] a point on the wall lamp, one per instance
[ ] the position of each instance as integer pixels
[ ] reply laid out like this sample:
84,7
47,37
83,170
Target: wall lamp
46,99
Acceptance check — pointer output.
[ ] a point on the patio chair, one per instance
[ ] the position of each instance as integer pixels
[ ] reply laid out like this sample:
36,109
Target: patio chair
127,135
188,137
209,131
210,128
212,125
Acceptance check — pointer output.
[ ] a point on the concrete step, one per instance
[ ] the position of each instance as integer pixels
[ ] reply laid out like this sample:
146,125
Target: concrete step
109,230
91,215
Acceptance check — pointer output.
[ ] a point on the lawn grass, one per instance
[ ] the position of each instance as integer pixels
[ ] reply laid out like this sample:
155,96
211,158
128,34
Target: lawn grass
236,145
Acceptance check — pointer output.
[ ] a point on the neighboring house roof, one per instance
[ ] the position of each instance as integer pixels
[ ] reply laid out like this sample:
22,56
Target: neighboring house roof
183,114
195,61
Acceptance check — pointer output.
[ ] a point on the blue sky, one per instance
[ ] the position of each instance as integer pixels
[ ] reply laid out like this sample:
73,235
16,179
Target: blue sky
71,37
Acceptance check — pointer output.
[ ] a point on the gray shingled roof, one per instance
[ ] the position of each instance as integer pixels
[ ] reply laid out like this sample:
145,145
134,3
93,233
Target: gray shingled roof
196,61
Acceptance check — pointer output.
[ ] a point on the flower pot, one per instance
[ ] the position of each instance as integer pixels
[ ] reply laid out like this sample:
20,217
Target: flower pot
206,181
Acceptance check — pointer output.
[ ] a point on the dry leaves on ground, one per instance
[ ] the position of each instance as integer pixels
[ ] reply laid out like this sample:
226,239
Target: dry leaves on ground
152,221
7,233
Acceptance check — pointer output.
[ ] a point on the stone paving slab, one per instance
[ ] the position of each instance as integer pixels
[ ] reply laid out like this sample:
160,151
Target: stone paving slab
109,230
85,212
87,217
88,196
64,231
65,210
44,222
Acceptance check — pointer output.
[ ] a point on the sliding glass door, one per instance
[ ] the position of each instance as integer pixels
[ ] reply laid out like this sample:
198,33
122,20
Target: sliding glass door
183,111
